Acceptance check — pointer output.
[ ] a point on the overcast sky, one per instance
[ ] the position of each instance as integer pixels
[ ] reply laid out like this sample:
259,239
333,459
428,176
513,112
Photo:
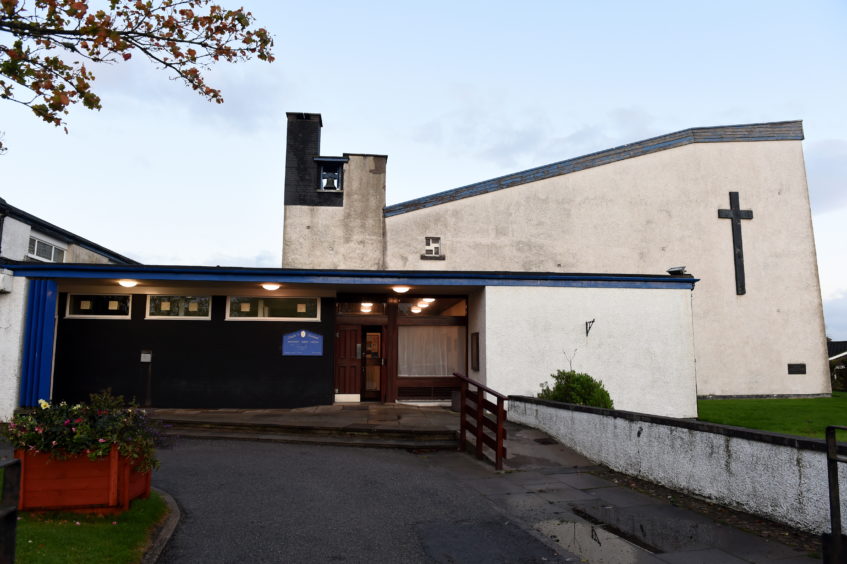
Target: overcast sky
453,92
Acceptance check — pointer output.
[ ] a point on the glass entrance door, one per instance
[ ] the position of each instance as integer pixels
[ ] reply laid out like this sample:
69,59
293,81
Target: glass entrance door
372,364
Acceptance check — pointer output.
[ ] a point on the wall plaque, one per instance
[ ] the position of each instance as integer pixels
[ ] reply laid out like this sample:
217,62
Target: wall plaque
302,343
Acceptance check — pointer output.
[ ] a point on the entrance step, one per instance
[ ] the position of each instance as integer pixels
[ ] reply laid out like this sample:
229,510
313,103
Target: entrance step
361,435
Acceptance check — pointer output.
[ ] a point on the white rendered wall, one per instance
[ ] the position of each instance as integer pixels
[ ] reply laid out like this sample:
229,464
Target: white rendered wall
75,253
476,324
640,346
341,237
778,481
14,242
646,214
12,310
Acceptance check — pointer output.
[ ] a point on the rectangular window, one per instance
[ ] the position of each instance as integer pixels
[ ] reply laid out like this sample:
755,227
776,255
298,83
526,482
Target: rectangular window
430,352
179,307
99,306
273,309
45,252
364,307
430,306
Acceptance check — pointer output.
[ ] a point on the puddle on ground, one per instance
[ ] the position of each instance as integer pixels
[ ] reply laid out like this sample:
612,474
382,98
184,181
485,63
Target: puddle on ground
593,544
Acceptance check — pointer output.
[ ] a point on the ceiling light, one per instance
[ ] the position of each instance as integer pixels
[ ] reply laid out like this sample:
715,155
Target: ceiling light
416,309
423,304
428,300
128,283
271,286
366,308
367,304
401,289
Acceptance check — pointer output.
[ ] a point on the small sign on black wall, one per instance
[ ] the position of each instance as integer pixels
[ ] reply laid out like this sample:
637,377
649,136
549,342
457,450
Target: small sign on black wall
302,343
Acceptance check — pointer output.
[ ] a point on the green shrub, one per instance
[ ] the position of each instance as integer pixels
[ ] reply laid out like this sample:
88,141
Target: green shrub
575,387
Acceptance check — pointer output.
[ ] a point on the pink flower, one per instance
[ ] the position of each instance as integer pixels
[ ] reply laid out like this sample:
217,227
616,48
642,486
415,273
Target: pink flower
77,523
54,443
114,522
101,440
67,421
73,429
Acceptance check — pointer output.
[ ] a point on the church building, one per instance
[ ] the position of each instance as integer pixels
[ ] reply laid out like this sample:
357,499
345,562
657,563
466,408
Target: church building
628,264
729,203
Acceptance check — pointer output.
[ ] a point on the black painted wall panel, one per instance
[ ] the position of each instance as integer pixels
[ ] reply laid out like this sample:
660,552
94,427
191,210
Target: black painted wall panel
199,364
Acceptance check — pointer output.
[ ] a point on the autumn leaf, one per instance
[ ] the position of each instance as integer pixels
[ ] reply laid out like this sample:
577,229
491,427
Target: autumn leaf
45,66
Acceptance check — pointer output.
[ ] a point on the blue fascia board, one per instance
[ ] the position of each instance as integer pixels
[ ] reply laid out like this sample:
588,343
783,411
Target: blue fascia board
347,277
776,131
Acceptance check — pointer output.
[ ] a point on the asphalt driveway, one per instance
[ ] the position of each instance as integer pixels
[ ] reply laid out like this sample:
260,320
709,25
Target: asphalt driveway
266,502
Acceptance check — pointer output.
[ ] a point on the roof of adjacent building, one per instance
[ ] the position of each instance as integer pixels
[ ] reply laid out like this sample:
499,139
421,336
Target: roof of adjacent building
57,232
775,131
836,348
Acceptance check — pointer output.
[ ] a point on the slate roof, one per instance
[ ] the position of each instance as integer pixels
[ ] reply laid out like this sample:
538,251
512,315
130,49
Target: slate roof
836,348
775,131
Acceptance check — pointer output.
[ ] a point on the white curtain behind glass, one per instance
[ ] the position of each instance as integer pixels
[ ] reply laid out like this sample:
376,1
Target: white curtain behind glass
431,351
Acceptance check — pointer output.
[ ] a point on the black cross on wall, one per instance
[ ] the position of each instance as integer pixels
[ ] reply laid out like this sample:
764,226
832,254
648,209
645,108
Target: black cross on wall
736,214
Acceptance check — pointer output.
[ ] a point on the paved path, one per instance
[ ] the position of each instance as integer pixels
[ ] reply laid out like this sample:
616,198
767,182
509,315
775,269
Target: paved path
258,502
264,502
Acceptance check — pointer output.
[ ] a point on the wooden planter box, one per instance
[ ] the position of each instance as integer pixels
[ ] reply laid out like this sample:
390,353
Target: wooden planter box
105,485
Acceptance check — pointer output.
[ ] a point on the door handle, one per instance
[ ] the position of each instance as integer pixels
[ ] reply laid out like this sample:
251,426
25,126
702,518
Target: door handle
358,351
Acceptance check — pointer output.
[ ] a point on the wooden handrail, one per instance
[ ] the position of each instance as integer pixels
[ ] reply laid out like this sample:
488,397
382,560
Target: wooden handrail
475,420
497,395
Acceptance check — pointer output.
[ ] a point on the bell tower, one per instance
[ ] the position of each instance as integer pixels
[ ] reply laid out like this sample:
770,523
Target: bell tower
333,215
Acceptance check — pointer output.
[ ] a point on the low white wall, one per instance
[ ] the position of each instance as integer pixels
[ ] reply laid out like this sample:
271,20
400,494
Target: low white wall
776,476
12,309
641,345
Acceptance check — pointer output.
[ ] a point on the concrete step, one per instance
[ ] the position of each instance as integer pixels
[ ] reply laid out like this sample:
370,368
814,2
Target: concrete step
370,441
351,435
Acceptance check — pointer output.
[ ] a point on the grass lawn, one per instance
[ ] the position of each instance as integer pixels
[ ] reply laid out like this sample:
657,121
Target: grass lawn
803,416
52,537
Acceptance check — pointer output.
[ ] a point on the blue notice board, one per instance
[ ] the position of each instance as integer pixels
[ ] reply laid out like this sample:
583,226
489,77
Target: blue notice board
302,343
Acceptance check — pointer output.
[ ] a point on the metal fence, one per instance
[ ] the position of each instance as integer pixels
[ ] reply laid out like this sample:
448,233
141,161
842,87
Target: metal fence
10,475
834,543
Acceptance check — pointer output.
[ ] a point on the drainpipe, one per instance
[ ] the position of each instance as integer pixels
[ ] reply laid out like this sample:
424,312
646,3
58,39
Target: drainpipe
3,210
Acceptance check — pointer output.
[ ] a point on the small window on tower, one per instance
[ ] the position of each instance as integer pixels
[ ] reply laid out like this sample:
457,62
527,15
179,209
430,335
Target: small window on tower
432,249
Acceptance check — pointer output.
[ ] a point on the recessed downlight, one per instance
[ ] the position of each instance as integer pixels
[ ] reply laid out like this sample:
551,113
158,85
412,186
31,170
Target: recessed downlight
401,289
271,286
128,283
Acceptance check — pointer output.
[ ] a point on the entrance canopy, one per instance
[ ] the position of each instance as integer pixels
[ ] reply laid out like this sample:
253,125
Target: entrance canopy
227,337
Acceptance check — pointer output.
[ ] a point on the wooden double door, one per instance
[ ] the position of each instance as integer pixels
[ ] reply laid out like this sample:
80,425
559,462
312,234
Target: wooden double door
360,359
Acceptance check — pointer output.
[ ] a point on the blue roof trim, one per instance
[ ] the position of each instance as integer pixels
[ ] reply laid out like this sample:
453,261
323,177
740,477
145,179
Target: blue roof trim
776,131
348,277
